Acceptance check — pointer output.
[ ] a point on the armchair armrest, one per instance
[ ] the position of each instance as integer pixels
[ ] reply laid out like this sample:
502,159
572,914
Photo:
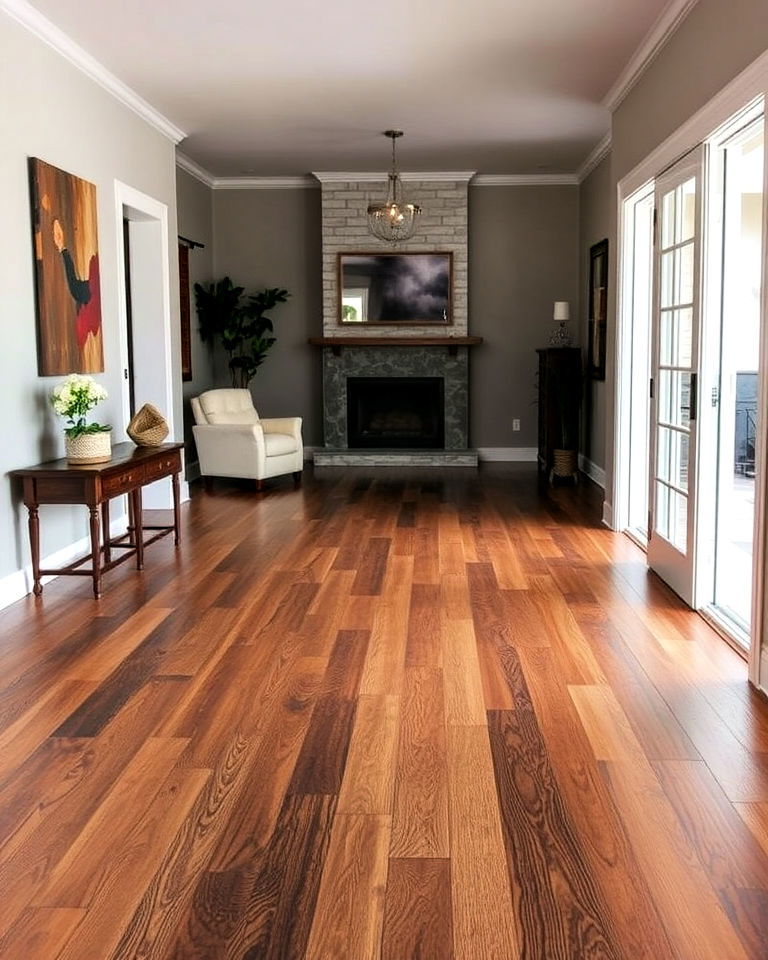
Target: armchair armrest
230,449
289,425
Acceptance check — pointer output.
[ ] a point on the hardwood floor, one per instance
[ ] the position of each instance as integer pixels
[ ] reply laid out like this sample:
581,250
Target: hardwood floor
387,716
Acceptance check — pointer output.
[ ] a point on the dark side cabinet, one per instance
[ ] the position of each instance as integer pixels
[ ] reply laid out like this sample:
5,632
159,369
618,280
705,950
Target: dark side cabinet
559,401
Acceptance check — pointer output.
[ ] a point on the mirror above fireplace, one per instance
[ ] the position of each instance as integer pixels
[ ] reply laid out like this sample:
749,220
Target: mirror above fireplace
395,289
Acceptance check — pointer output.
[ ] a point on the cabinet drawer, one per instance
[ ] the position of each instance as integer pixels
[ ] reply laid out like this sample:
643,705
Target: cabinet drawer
120,483
161,467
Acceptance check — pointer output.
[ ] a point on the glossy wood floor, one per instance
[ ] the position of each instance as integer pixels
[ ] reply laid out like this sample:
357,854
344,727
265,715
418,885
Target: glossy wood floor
401,716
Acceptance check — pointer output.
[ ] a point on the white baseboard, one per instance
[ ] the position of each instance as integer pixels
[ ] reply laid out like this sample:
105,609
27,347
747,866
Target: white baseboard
607,514
16,585
508,454
762,679
592,470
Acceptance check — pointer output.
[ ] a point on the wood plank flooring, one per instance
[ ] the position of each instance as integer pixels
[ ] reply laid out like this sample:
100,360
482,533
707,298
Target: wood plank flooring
391,715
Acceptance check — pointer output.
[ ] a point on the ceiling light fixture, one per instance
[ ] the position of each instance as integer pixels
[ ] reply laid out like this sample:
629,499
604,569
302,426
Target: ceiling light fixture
396,218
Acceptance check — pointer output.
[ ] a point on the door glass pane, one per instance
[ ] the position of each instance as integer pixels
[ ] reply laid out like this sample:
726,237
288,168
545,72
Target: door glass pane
675,337
738,383
668,219
672,457
684,276
687,204
678,520
674,397
668,262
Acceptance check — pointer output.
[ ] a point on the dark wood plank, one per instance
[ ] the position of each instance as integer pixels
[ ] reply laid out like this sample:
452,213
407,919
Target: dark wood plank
417,919
559,906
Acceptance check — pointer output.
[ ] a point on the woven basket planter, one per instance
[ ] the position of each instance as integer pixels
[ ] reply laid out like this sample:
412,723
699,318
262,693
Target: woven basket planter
565,463
148,427
89,447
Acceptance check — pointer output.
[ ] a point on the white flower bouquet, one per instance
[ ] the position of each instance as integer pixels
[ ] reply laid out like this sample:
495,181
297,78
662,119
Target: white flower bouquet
73,398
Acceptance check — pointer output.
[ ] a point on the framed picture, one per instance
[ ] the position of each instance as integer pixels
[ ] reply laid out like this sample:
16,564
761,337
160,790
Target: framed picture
66,248
598,309
395,289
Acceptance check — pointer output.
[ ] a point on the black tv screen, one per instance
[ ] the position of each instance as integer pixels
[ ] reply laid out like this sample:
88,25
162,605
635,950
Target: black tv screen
395,288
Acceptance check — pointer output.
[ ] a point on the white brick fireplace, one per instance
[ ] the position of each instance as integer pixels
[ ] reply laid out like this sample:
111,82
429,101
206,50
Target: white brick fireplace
442,227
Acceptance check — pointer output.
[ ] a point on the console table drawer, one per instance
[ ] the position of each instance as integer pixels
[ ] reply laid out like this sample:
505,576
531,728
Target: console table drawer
121,483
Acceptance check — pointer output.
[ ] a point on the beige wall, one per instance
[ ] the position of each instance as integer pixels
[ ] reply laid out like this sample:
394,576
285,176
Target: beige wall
195,220
271,238
53,111
522,257
595,224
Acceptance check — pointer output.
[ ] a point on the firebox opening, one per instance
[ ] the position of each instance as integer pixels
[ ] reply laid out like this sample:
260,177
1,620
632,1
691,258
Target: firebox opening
395,412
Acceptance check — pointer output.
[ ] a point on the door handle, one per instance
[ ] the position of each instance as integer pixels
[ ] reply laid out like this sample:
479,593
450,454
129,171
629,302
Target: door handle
694,398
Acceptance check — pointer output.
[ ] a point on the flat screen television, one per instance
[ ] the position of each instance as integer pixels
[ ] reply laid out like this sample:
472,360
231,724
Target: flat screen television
395,288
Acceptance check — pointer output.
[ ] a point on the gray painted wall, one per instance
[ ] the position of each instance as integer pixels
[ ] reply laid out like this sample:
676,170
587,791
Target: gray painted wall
522,257
715,42
522,242
195,218
595,224
52,111
271,238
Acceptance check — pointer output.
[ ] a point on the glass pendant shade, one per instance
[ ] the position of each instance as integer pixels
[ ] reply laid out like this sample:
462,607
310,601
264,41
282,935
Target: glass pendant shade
396,218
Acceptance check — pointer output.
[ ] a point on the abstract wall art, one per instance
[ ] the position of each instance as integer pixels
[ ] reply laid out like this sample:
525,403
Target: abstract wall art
66,252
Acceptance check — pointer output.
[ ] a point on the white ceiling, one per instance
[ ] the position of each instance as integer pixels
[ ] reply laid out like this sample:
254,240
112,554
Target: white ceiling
282,88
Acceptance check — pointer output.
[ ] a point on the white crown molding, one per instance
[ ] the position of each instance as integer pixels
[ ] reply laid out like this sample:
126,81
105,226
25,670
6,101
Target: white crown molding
265,183
194,169
433,176
242,183
666,24
525,180
34,21
314,179
598,154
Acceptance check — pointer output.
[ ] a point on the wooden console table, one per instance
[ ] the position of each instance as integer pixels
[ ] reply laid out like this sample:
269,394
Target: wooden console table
94,485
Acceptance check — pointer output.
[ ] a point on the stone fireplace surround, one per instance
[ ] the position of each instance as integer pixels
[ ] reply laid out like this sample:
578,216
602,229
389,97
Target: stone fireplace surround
443,227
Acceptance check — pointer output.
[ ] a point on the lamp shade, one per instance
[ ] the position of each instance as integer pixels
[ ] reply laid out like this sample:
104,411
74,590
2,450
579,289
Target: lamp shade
562,310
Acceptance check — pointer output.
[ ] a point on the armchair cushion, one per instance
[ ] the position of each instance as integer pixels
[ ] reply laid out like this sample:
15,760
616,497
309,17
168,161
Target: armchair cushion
228,406
232,417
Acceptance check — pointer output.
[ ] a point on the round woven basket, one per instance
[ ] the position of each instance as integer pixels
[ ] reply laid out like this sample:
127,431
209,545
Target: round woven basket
89,447
148,427
565,463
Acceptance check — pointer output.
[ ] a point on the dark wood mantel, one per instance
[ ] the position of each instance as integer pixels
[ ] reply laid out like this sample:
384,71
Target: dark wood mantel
452,343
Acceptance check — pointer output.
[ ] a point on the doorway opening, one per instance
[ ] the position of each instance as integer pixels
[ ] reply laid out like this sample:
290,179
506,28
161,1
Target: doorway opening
145,315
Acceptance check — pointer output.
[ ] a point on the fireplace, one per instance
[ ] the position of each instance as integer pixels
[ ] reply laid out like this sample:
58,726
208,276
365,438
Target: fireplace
395,413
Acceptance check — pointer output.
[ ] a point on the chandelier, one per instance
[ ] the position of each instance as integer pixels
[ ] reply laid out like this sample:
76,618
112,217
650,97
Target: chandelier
395,219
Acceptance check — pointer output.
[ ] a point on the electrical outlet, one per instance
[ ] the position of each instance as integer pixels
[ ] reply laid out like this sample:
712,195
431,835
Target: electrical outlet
515,424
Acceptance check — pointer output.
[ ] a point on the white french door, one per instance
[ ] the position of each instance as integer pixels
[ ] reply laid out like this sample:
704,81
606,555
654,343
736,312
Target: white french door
675,374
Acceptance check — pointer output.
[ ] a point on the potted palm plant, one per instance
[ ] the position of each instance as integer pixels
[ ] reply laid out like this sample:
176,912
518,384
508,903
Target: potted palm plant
239,323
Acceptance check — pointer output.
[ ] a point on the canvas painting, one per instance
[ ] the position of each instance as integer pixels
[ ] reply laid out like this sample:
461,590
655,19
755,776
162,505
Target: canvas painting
67,268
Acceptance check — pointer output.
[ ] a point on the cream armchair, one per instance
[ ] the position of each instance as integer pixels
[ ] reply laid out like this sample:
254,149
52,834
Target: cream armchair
232,441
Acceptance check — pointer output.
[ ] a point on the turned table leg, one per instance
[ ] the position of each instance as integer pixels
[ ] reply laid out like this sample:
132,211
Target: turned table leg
95,550
34,547
176,503
138,529
105,525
